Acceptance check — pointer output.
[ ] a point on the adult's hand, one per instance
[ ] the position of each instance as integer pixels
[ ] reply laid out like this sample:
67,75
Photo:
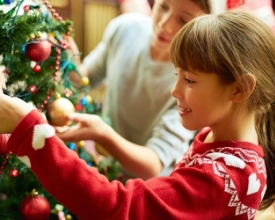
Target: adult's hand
12,111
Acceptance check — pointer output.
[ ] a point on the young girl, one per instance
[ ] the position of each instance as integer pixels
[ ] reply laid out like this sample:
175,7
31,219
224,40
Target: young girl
231,92
224,86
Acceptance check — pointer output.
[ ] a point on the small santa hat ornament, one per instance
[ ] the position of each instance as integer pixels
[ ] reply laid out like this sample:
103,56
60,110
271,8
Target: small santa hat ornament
219,6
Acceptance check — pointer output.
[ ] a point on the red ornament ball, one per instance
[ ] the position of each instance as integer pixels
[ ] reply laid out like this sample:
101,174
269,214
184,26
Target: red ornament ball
3,144
36,68
39,51
35,207
32,89
14,173
78,107
69,93
26,8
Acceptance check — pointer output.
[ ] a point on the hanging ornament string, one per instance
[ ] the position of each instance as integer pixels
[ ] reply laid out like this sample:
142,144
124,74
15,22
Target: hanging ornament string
64,45
38,49
46,60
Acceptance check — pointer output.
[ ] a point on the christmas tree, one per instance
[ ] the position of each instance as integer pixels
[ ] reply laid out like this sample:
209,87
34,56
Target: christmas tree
35,58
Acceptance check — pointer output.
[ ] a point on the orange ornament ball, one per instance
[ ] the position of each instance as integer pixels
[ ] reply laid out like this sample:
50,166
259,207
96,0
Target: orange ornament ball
58,110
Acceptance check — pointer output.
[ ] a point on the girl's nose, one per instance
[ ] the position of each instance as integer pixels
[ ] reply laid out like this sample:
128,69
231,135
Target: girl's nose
178,90
166,23
174,91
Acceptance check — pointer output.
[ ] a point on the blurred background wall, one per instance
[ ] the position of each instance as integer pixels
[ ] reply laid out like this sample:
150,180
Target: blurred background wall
90,18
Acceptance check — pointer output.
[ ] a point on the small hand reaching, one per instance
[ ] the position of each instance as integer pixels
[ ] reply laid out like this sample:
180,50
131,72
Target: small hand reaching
87,127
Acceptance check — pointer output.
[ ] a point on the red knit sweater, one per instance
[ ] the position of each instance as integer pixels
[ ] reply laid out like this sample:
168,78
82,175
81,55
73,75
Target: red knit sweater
222,180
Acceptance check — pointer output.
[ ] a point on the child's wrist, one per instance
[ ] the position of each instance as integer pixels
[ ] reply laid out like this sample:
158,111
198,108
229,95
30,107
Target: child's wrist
76,58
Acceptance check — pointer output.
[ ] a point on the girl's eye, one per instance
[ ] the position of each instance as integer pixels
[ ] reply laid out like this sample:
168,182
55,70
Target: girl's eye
188,81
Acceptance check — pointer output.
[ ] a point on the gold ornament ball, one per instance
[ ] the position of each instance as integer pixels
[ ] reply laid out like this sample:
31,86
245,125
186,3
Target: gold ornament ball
57,95
89,99
85,81
81,144
58,110
32,36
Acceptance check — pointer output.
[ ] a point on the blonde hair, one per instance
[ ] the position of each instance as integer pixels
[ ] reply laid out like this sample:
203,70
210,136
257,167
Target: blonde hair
231,44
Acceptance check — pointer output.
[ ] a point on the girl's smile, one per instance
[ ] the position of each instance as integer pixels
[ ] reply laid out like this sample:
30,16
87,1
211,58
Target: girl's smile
184,111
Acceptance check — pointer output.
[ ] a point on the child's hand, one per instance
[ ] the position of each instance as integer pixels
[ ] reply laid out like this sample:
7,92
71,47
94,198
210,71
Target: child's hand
12,111
88,127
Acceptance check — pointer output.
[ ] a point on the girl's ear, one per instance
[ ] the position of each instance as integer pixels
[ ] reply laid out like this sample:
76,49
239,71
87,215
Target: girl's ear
244,88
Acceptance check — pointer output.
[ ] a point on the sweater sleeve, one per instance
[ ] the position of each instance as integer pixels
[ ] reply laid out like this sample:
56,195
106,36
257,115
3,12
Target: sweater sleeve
190,193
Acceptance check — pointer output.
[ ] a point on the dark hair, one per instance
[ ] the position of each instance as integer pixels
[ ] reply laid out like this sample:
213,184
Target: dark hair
231,44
